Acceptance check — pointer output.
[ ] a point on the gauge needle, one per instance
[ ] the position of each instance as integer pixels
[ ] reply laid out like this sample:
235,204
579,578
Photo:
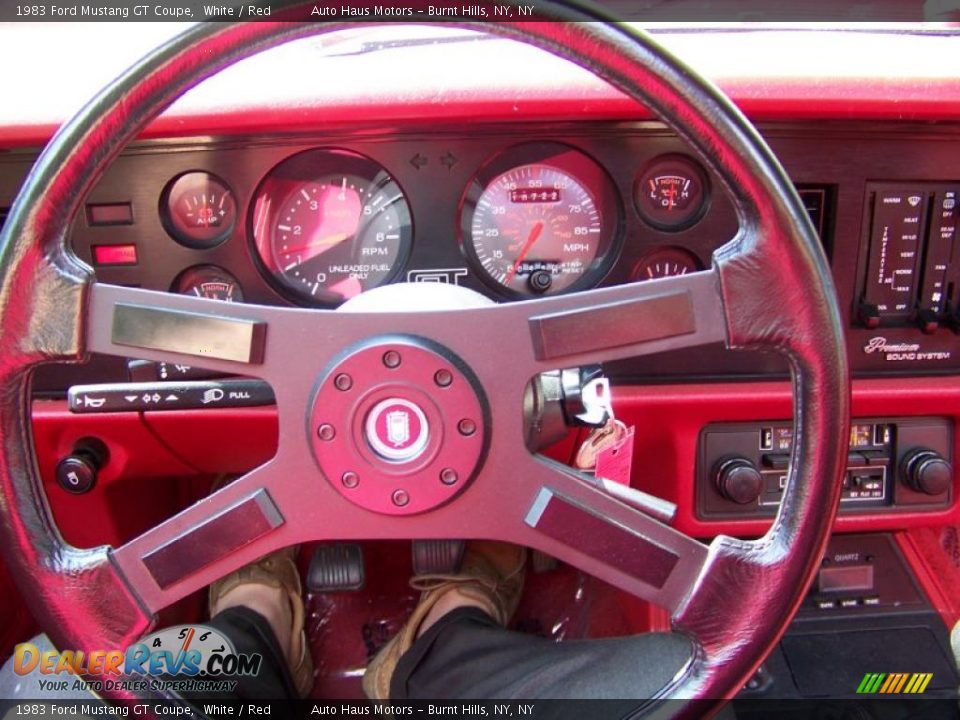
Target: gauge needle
320,242
534,234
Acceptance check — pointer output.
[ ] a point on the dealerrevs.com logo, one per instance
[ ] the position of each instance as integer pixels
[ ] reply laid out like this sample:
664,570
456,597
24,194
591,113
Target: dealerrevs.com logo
189,652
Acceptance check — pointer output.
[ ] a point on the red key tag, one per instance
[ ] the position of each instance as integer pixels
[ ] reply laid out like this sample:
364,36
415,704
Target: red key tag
597,440
615,461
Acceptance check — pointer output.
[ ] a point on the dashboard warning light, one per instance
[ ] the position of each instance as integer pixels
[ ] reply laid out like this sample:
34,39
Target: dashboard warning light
114,254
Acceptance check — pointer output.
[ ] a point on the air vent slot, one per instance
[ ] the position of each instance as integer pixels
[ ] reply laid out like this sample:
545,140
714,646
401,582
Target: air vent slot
818,202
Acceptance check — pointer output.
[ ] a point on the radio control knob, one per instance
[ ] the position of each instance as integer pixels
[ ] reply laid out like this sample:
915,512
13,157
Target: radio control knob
926,471
739,480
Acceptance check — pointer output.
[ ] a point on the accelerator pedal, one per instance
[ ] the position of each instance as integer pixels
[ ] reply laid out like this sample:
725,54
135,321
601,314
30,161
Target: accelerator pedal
432,557
337,567
543,563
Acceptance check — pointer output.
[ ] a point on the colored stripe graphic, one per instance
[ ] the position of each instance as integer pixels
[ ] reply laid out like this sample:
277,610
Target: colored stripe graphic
894,683
903,680
870,683
891,681
919,682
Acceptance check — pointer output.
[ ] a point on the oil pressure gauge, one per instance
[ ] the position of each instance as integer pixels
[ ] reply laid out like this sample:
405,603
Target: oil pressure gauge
671,193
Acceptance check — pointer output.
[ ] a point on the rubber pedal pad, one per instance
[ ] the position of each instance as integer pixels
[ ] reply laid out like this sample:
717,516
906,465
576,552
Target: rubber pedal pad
431,557
336,567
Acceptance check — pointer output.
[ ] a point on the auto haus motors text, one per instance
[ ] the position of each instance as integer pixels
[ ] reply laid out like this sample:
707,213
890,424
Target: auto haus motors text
137,659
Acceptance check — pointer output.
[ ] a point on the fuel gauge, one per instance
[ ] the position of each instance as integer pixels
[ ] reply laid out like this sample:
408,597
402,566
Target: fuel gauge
671,193
198,210
210,282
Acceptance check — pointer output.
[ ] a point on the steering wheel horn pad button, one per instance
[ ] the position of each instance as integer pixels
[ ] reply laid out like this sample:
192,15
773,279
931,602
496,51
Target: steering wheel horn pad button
390,440
397,430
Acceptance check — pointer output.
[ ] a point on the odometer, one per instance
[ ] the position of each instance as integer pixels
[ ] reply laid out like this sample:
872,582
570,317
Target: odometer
540,227
329,224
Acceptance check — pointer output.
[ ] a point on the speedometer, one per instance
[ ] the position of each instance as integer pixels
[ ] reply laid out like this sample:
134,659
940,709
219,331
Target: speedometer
329,224
540,219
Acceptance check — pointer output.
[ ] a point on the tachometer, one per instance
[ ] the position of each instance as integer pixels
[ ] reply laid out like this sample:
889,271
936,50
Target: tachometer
540,219
329,224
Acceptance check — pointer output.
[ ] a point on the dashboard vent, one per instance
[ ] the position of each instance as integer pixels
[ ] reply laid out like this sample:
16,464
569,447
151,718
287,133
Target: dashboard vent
818,202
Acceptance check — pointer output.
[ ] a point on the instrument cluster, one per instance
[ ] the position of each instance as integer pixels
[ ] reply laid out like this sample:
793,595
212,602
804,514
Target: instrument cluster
320,224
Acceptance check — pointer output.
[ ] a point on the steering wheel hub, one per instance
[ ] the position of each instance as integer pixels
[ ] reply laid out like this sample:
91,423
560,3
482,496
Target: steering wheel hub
397,430
398,426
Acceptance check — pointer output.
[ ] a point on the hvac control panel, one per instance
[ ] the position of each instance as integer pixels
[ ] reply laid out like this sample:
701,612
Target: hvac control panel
907,301
893,464
910,270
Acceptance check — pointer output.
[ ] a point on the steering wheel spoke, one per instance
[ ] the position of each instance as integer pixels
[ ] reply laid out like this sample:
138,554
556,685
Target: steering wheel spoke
165,327
269,508
610,323
573,519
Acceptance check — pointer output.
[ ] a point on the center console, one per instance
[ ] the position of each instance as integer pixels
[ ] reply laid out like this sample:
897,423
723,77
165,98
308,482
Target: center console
865,615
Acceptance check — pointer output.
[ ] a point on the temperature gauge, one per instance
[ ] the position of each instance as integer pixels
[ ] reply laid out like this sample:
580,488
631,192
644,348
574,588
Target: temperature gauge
198,210
210,282
665,262
671,193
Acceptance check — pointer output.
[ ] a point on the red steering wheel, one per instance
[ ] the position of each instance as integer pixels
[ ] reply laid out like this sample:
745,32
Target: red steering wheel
770,288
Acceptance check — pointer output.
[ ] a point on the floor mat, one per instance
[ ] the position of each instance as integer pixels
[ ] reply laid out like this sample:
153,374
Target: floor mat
346,629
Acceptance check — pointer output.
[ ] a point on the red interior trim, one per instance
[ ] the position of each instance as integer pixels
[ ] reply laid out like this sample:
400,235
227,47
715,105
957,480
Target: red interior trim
150,449
790,75
920,548
669,418
761,101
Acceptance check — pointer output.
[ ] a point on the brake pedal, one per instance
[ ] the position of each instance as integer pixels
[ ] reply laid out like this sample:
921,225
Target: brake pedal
336,568
432,557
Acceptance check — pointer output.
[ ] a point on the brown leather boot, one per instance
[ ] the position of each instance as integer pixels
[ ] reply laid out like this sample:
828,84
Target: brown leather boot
492,574
276,570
